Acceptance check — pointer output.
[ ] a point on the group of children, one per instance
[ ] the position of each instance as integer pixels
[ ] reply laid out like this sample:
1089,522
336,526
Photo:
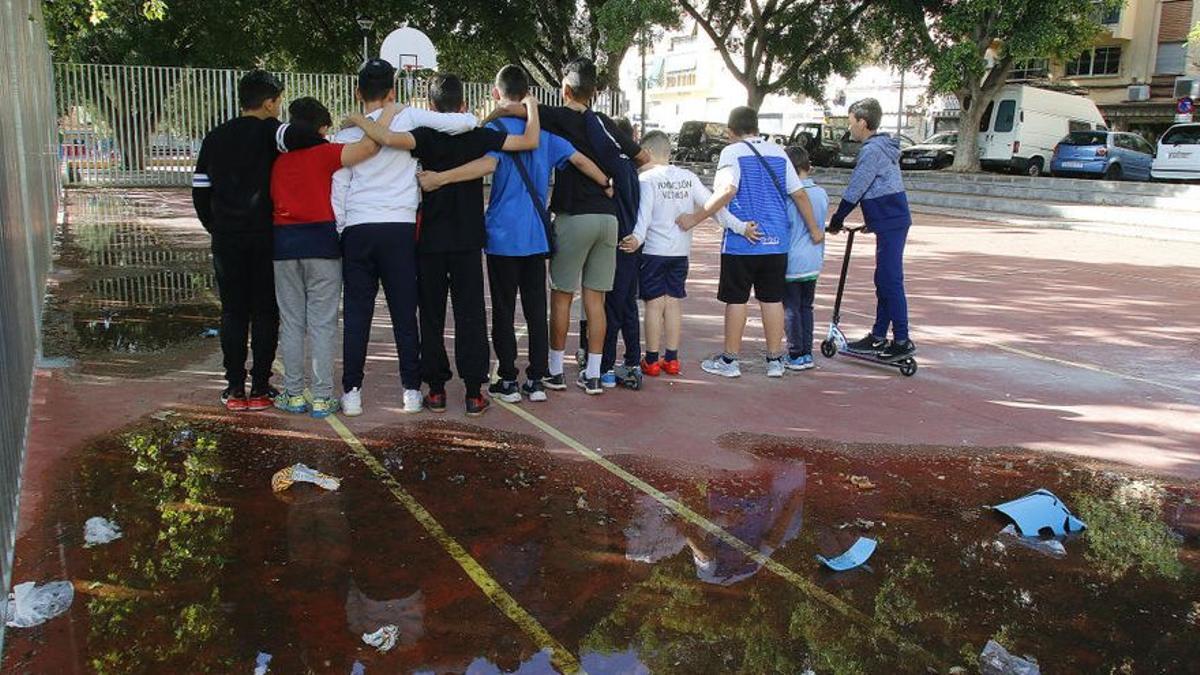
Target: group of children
300,226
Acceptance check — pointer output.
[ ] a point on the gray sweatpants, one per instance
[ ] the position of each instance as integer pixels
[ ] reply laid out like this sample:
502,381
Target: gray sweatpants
308,291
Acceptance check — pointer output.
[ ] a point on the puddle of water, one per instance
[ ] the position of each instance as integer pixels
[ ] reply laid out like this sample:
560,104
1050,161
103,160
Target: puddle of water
133,276
215,568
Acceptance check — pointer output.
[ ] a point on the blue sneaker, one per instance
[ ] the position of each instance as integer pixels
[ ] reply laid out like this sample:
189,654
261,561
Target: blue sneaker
295,404
798,363
608,380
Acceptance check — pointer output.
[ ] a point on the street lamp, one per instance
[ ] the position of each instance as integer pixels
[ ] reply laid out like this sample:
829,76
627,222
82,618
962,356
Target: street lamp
365,23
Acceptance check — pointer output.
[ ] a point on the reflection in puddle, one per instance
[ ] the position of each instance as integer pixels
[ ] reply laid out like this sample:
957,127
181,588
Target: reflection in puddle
762,509
215,567
133,275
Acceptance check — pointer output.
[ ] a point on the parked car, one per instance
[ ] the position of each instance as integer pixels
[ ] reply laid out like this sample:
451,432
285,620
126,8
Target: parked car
849,148
935,152
701,141
820,140
1019,129
1178,156
1104,154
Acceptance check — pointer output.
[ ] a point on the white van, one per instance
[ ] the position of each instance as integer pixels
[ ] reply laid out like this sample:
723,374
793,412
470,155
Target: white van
1020,128
1178,156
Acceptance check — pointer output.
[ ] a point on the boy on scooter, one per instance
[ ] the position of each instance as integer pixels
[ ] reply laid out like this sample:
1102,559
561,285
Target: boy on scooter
876,186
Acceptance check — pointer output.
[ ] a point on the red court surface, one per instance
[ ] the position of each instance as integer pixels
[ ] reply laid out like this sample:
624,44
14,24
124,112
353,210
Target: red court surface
1048,358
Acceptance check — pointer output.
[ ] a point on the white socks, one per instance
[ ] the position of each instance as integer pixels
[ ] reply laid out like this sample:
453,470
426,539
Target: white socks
556,362
593,365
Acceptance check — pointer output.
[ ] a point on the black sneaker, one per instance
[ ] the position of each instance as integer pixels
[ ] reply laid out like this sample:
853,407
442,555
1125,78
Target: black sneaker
535,390
556,382
898,351
477,405
505,390
436,401
591,385
868,345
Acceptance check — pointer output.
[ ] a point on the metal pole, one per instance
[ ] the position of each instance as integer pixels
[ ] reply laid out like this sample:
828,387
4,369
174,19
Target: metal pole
643,51
900,110
365,47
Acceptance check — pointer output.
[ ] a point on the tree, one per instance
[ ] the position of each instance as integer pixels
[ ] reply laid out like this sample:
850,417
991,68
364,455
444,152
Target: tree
783,46
970,46
543,35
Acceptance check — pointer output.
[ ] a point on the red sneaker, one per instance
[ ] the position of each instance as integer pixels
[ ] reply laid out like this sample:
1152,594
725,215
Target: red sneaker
651,369
671,367
436,402
261,399
234,399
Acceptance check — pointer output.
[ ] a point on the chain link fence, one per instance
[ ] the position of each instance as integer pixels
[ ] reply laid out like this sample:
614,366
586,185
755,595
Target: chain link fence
142,125
29,201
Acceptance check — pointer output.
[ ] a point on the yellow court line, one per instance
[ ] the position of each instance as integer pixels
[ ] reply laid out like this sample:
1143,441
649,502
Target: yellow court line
560,656
683,511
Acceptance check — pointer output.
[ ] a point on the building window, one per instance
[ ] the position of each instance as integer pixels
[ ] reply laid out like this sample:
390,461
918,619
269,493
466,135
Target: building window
682,42
1105,16
681,79
1030,69
1098,61
1171,58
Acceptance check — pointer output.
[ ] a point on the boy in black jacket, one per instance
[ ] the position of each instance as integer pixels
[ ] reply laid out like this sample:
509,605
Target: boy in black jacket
231,190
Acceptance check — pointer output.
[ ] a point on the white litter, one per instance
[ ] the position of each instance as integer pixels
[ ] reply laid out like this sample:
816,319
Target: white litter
300,473
384,638
262,663
1051,547
996,660
97,531
32,605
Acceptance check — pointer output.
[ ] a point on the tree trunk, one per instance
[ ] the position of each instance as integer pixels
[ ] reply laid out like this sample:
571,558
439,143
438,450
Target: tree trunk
966,152
754,95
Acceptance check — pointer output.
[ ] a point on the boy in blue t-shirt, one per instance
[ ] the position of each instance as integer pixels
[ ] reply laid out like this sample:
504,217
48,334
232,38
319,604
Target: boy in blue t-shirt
517,241
805,257
758,183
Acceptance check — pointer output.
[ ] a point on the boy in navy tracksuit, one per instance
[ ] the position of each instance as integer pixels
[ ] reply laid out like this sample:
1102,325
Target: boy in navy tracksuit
876,185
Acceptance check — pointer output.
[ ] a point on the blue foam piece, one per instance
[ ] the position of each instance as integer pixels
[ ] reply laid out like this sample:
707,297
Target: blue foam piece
1040,510
853,557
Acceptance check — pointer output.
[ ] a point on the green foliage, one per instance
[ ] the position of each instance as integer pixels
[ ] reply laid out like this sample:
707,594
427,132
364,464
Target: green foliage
169,609
953,39
785,47
1126,534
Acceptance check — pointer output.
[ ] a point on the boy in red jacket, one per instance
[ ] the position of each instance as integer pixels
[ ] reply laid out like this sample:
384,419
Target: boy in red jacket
308,257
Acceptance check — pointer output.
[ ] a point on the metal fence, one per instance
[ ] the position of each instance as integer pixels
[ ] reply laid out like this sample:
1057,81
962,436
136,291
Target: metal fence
142,125
29,193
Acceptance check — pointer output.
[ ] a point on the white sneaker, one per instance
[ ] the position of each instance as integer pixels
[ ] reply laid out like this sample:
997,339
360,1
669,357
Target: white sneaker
718,366
412,401
774,367
352,402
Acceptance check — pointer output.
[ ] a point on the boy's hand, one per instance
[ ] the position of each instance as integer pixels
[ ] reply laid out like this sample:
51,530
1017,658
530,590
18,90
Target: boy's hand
353,120
630,244
752,232
609,191
817,236
430,180
687,221
835,225
530,100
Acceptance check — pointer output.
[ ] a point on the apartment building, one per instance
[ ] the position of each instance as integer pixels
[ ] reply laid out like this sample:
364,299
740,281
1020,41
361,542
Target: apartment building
1133,68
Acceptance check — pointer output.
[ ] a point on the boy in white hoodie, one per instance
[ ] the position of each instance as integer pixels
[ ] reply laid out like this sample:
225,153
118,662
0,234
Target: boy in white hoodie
667,192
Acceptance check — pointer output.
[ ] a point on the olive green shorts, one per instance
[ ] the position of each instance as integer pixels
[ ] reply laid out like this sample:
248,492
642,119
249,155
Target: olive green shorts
587,248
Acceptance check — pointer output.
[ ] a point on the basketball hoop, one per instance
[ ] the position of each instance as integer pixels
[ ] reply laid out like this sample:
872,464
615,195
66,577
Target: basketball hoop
409,50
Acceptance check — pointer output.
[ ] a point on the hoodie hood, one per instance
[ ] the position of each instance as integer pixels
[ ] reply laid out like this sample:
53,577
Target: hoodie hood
884,143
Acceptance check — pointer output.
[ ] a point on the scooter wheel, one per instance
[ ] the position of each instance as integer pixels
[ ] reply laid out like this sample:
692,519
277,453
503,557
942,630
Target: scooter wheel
828,349
908,367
